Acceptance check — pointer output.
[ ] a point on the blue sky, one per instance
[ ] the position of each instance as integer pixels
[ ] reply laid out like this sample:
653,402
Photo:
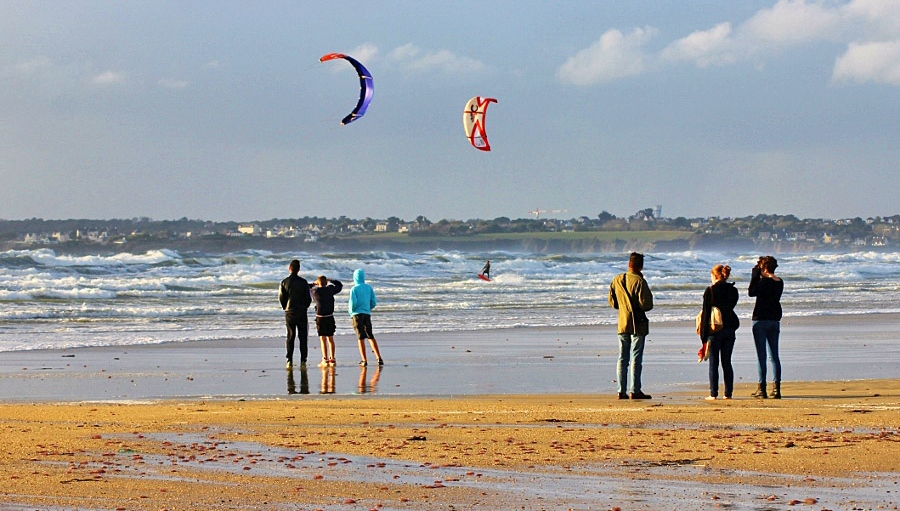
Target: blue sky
220,110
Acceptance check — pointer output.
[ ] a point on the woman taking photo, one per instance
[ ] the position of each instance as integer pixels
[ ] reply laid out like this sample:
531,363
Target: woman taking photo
720,344
767,289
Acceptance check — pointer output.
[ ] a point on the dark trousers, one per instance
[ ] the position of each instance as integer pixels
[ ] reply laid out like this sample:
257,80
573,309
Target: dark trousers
297,328
721,346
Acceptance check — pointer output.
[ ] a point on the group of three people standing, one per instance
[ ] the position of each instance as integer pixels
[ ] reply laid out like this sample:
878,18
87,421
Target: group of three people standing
296,295
630,294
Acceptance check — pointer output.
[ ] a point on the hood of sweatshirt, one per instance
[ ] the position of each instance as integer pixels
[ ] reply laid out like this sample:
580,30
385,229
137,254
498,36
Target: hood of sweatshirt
359,277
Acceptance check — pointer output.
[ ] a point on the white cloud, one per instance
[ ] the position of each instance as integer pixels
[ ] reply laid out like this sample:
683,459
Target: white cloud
33,66
877,62
869,28
108,78
405,52
880,18
213,64
792,21
364,52
614,55
412,58
713,46
171,83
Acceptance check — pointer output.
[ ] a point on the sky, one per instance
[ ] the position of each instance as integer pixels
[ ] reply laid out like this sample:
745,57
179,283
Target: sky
220,110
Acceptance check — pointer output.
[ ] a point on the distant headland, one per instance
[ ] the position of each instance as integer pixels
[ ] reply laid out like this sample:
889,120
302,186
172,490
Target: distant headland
604,233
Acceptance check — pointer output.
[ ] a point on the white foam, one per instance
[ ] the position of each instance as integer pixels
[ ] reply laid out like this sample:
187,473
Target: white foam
57,301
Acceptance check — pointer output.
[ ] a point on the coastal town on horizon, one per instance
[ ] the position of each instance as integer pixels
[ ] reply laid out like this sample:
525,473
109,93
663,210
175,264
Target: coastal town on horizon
843,233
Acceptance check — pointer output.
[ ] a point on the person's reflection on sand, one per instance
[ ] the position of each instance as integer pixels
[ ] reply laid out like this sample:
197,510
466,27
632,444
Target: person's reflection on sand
304,381
327,380
372,384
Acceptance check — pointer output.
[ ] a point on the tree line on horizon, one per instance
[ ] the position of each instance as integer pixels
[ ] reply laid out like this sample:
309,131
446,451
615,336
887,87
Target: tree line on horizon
644,220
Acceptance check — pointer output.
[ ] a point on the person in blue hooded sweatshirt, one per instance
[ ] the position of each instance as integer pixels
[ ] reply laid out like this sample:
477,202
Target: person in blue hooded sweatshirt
362,301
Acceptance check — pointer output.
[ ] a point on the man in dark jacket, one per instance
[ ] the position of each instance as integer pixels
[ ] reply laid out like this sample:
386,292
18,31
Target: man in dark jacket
295,299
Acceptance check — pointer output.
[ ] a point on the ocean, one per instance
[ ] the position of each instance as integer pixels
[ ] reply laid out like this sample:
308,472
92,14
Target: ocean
55,301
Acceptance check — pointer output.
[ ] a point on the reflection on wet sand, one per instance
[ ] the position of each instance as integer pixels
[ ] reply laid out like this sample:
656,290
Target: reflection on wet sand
372,385
328,373
365,385
304,382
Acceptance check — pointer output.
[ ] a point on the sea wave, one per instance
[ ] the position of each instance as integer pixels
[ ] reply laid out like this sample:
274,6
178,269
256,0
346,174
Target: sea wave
52,301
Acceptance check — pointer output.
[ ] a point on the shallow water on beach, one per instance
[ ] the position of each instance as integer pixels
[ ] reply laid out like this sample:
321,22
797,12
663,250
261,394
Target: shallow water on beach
637,485
515,361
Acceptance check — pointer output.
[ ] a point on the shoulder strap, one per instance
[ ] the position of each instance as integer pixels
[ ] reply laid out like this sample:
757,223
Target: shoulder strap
627,293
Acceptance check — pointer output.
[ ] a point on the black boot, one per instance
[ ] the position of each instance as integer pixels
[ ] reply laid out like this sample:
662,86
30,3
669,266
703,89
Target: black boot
760,391
776,390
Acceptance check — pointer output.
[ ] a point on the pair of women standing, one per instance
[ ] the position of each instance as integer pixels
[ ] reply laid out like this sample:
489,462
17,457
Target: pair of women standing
767,289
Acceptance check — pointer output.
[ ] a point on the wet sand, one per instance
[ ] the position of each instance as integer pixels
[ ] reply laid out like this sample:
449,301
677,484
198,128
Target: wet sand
516,361
829,445
515,419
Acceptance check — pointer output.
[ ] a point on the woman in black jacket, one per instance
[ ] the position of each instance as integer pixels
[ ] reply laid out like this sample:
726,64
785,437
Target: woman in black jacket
767,289
720,345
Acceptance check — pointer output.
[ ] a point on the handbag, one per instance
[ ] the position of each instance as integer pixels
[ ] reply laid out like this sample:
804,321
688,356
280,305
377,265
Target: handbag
715,317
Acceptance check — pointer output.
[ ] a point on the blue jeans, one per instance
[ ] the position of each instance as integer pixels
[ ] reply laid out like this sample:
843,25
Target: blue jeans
721,346
631,353
765,332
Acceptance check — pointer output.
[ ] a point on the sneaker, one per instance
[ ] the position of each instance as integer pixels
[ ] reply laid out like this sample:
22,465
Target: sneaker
711,398
290,365
640,395
303,364
380,362
363,363
727,398
323,363
623,395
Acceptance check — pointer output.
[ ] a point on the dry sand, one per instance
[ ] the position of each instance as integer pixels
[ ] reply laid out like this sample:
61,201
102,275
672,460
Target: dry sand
827,445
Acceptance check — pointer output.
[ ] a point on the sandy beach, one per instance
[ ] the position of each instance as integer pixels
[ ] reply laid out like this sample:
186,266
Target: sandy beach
836,447
514,419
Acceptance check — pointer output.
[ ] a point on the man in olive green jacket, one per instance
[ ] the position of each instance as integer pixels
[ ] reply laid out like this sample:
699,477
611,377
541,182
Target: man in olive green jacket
631,296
